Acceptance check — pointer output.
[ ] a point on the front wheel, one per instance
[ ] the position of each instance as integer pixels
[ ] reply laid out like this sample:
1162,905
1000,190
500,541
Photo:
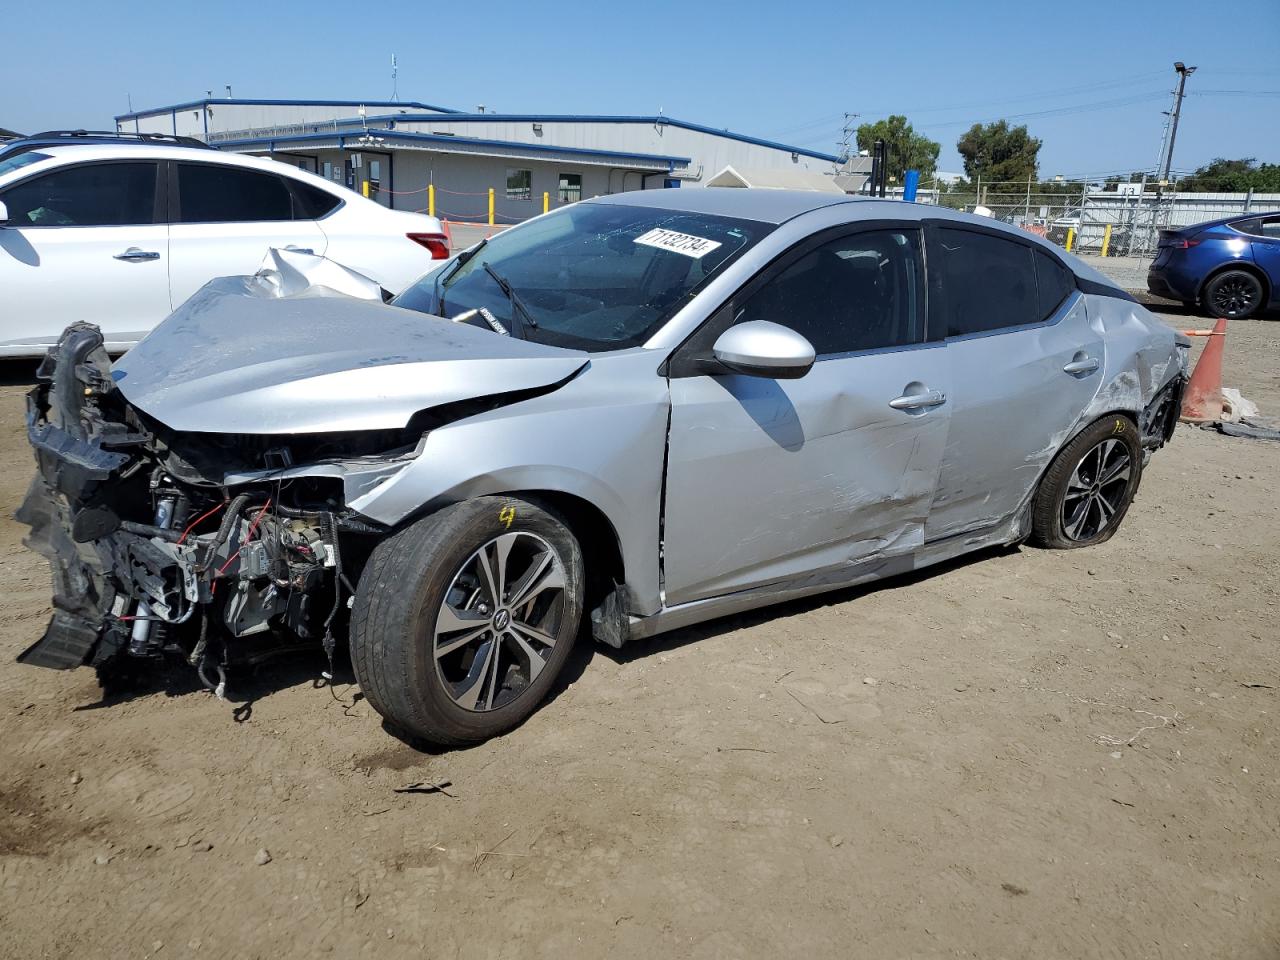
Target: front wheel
463,620
1087,489
1234,294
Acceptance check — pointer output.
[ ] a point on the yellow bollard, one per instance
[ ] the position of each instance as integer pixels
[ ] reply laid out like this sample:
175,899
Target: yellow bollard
546,202
364,188
1071,237
431,199
491,206
1106,239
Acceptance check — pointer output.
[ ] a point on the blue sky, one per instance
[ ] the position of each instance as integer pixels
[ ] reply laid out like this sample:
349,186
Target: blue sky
1089,78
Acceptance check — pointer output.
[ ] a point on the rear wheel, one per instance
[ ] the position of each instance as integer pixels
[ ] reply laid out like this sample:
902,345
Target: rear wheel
463,620
1087,489
1234,294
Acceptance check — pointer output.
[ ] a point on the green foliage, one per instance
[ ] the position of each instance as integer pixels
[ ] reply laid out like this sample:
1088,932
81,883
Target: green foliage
1233,176
999,153
904,148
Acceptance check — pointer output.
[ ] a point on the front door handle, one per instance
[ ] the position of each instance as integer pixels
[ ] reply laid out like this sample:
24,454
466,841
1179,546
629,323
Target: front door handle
1084,365
134,255
918,401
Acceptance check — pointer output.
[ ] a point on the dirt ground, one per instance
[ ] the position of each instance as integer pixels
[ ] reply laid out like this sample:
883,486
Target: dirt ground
1025,754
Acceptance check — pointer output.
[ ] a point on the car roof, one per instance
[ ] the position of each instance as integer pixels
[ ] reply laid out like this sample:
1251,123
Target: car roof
1223,221
763,205
82,151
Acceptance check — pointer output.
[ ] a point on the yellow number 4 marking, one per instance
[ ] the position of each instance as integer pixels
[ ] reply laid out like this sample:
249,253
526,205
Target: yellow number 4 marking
507,515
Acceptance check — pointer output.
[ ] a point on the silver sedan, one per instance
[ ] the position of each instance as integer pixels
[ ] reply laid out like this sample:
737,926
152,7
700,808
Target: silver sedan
641,411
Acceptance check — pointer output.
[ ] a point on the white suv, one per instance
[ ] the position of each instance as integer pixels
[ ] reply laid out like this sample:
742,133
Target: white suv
120,233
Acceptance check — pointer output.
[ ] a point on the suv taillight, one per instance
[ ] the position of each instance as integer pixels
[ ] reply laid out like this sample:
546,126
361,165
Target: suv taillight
1184,244
437,243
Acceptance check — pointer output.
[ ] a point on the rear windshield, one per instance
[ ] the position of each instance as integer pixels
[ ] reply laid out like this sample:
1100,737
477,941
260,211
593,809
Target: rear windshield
20,160
594,276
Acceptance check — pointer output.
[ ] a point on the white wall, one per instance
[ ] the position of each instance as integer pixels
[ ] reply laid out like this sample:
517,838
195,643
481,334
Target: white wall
227,117
709,152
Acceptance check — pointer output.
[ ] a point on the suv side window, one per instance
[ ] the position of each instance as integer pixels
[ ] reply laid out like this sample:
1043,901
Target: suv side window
89,195
311,203
1271,228
212,193
859,292
989,282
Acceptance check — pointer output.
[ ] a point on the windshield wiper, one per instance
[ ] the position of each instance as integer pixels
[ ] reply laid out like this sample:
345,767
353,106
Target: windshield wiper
526,318
458,264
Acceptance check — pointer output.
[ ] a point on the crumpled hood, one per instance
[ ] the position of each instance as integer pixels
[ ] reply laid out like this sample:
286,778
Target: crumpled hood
237,358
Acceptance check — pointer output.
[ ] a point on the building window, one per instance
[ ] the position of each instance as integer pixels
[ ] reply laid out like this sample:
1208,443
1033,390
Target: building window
519,184
570,187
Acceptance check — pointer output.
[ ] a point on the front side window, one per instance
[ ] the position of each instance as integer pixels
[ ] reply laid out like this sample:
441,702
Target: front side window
988,283
519,184
860,292
594,276
208,193
570,187
93,195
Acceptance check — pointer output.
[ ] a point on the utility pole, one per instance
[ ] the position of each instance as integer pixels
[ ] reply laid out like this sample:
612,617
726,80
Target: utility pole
1183,72
846,132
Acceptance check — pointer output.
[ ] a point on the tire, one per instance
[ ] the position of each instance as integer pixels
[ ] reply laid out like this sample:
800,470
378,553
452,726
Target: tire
1234,294
400,622
1071,509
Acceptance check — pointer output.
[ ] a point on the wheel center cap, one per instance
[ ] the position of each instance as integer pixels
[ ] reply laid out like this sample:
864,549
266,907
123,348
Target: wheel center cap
502,620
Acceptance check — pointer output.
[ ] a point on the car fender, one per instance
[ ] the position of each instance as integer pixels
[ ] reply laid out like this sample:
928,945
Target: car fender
601,437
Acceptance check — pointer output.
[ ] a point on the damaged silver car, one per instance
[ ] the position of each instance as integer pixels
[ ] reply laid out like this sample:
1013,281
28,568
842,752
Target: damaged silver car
645,410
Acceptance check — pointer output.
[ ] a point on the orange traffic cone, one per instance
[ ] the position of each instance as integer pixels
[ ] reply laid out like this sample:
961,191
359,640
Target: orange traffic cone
1202,403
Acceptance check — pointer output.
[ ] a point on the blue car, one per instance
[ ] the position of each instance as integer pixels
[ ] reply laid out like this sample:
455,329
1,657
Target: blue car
1230,267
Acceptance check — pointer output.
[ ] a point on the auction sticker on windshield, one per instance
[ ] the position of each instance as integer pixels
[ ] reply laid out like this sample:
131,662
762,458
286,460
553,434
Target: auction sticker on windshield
685,243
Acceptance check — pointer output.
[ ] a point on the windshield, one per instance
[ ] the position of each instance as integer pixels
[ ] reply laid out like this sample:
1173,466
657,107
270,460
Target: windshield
17,161
594,276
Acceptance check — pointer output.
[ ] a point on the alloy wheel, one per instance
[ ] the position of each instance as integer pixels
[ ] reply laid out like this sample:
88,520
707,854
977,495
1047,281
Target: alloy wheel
500,621
1096,490
1235,296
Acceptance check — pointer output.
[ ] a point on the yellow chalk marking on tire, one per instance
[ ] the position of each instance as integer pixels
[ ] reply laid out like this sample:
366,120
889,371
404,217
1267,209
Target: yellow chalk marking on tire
507,515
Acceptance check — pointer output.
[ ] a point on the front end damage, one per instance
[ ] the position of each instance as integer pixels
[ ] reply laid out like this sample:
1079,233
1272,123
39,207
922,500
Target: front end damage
152,549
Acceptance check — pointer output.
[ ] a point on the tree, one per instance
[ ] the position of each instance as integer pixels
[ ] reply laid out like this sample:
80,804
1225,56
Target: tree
904,148
999,153
1233,176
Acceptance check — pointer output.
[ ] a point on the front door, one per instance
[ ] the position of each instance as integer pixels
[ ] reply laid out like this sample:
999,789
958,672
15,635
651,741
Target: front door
82,243
770,480
1025,362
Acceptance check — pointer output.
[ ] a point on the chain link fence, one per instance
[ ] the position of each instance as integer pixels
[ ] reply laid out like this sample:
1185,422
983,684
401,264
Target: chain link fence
1135,215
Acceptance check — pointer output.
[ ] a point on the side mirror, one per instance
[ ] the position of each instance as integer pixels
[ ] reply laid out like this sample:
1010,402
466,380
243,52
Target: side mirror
759,348
4,214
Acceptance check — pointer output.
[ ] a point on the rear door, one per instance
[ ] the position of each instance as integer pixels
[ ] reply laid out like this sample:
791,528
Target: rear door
825,476
86,241
1024,363
225,218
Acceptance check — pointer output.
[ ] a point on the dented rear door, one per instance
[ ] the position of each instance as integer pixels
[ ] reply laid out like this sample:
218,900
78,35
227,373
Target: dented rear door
1025,363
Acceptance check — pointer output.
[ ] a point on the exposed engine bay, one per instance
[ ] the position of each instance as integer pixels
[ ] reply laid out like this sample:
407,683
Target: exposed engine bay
150,552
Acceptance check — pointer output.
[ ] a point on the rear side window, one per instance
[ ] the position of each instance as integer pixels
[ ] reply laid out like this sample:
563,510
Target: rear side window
860,292
312,203
988,283
1251,226
224,194
93,195
1054,283
1271,228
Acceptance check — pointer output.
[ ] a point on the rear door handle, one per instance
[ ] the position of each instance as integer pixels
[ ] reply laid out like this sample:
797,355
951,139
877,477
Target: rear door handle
918,401
134,255
1087,365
